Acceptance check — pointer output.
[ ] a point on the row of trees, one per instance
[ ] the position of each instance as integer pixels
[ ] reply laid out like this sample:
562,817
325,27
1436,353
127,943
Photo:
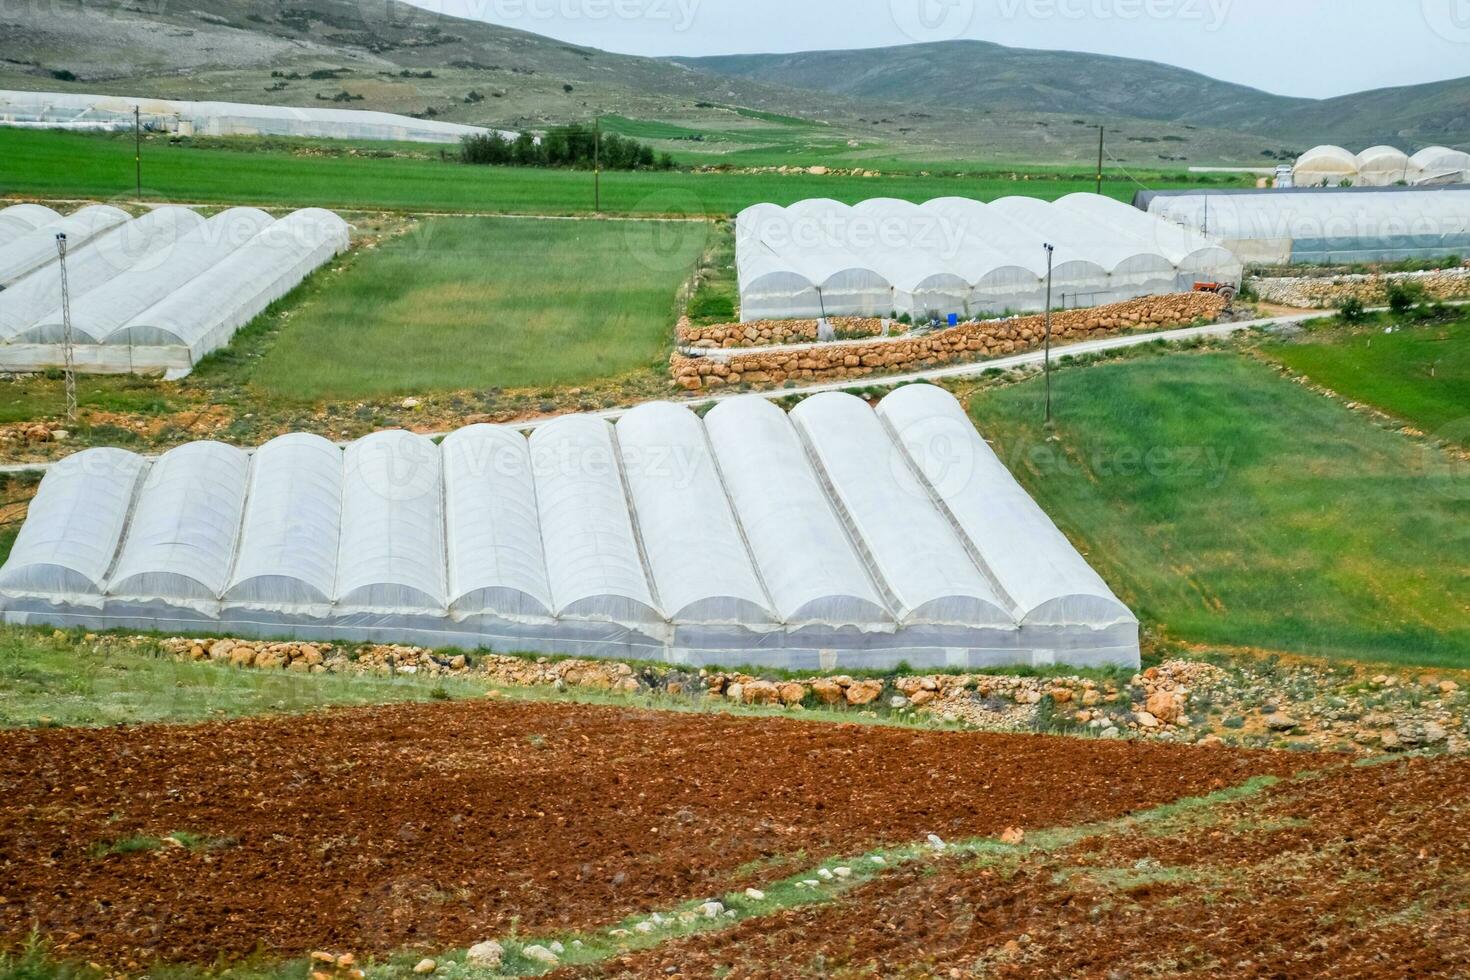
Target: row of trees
565,146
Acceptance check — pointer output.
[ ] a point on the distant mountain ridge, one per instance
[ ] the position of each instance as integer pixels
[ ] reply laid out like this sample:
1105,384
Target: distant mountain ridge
984,75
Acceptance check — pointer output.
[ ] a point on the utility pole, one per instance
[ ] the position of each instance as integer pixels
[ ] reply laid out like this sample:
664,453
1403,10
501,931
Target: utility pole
1047,356
138,149
66,344
597,164
1100,132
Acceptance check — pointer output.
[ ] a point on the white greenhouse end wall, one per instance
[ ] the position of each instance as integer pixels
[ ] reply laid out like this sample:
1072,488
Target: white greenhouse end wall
150,294
835,538
958,256
1380,166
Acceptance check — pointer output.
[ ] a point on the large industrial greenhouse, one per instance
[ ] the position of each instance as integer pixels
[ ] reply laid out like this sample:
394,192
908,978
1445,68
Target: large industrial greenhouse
833,537
955,255
1324,225
1380,166
108,113
155,293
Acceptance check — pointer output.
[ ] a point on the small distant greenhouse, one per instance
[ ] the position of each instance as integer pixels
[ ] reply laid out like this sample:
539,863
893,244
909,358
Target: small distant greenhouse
955,255
1380,166
154,293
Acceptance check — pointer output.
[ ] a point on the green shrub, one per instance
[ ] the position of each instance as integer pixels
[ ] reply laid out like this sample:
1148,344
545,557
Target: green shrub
1403,297
1352,310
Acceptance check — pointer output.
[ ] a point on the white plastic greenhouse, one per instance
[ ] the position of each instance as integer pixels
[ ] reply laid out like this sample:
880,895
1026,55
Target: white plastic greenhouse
955,255
67,110
1325,225
155,293
835,537
1380,166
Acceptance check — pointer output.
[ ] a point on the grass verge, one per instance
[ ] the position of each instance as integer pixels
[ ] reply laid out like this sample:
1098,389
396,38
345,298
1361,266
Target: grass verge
1417,372
1229,505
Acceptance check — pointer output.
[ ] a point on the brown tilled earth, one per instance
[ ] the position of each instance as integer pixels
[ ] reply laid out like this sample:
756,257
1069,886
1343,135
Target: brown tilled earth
1361,872
437,825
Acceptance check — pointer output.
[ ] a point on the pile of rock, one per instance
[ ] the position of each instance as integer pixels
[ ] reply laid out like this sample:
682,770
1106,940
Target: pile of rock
745,689
33,433
391,659
1329,292
766,333
968,341
1247,700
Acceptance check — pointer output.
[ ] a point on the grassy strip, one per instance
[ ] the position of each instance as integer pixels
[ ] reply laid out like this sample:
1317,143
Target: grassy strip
58,164
56,678
1228,505
49,679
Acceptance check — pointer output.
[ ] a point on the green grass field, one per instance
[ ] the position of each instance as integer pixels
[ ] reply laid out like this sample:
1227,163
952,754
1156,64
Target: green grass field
56,164
1231,506
475,303
1418,373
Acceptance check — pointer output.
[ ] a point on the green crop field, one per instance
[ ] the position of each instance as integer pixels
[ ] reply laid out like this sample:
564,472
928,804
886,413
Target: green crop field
475,303
1419,373
55,164
1229,505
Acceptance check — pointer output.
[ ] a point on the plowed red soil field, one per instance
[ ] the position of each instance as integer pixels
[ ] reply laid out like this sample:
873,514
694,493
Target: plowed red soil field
435,825
1363,872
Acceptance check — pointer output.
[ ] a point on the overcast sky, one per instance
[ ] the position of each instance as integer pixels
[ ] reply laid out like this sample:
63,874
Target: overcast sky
1312,48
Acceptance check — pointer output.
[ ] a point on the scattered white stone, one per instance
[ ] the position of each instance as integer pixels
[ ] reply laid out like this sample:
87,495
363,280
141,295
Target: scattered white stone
842,872
710,909
645,927
576,944
878,860
936,842
657,919
410,403
557,948
618,932
425,966
824,873
540,954
755,894
487,954
811,883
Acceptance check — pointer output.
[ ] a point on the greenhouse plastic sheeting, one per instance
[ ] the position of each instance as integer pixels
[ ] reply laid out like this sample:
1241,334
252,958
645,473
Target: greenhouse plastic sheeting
66,110
158,292
30,310
834,538
1380,166
19,219
1325,225
36,249
954,255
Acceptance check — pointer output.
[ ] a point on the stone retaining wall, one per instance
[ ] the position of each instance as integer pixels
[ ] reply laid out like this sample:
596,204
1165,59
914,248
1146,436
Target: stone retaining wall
768,333
1329,292
966,342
